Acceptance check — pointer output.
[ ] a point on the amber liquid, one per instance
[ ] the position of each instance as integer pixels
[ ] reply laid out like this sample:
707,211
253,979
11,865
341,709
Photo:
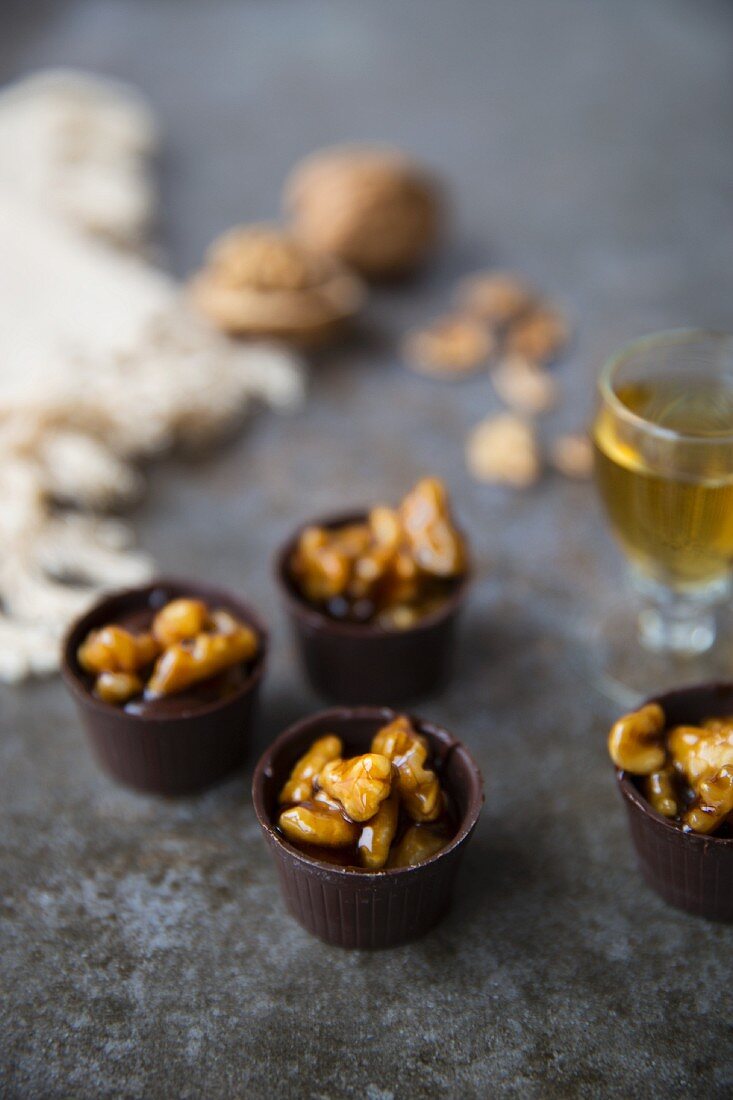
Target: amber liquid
669,494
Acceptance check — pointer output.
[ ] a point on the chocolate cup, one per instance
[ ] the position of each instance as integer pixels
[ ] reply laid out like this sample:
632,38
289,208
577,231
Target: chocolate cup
352,908
364,662
170,755
690,871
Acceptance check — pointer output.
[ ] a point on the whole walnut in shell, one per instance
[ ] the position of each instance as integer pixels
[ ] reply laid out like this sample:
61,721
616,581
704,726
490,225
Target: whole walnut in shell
260,281
374,208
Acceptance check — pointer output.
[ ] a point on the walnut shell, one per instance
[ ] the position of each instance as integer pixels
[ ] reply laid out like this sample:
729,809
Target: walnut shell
259,281
372,207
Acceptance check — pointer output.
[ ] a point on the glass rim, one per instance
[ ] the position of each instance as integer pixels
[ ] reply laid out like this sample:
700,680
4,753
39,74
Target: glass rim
668,338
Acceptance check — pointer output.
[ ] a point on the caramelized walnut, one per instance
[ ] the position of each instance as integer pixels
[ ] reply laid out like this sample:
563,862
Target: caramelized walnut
117,687
359,784
435,544
688,775
379,832
320,564
114,649
699,751
397,561
714,802
419,842
178,620
377,558
187,643
196,659
300,784
418,785
317,823
661,791
378,795
636,741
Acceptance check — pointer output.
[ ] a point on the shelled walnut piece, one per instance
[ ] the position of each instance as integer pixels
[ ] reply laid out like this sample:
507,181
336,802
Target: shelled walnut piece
259,281
453,346
497,297
524,386
687,770
503,449
393,568
386,806
499,319
572,455
186,644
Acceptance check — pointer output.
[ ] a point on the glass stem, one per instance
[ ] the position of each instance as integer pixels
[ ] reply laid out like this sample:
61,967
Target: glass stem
681,623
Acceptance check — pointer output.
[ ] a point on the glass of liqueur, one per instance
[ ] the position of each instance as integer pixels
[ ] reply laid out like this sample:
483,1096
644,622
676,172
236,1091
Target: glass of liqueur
663,443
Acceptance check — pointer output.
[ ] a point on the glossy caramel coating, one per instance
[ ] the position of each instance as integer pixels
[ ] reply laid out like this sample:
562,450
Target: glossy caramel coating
360,784
433,540
114,649
636,741
687,774
699,751
193,660
418,785
319,824
714,802
399,559
320,565
660,790
366,792
419,842
180,619
117,687
378,833
300,783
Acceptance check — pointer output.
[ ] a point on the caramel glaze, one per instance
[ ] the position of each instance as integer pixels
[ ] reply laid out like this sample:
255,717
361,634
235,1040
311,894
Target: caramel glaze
348,858
686,798
183,702
345,610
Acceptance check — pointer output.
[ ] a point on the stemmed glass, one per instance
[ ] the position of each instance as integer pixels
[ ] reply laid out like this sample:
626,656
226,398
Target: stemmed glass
663,442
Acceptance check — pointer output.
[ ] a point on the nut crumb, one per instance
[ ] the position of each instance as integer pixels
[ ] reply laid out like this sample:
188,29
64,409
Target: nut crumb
451,347
572,455
524,386
503,449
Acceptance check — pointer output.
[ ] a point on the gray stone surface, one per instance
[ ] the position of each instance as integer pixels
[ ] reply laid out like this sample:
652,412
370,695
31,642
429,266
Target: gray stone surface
144,948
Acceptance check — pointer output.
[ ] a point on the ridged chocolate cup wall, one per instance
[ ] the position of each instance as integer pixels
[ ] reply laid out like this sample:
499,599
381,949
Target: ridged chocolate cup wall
165,755
363,662
352,908
689,871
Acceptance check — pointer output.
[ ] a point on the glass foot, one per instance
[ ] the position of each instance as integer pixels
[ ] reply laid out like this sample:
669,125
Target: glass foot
630,672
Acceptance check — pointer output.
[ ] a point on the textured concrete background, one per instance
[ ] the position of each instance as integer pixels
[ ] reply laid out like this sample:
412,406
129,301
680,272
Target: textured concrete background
144,948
